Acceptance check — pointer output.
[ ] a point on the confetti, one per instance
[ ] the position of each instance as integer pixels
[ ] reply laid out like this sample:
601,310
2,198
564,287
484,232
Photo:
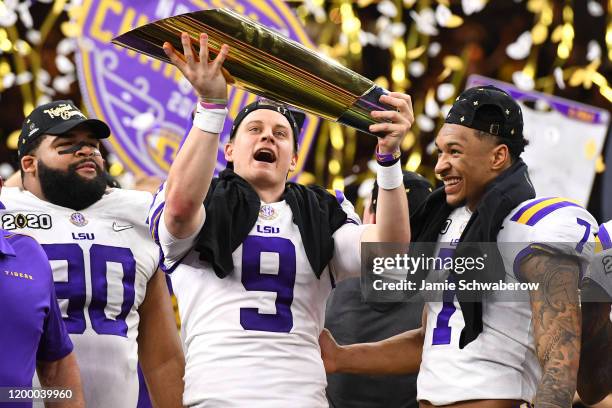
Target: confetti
520,49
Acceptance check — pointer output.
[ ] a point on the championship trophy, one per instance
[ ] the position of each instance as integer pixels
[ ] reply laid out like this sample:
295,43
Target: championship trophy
268,64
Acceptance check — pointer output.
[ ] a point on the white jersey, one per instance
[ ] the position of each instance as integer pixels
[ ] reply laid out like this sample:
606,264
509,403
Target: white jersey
102,258
601,267
501,363
251,338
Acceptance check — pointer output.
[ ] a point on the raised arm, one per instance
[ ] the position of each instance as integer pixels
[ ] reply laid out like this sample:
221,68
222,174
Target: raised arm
400,354
556,326
192,170
392,218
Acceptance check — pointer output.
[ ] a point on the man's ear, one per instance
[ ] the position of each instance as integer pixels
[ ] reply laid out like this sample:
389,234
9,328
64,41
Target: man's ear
228,151
293,163
500,157
29,164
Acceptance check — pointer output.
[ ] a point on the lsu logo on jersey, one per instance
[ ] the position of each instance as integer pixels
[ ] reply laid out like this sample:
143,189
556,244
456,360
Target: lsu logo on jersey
25,220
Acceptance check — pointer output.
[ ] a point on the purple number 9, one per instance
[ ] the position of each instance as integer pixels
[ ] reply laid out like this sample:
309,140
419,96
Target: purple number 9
74,288
281,282
442,331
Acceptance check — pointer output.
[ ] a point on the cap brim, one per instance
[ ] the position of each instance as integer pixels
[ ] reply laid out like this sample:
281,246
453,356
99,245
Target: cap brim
99,129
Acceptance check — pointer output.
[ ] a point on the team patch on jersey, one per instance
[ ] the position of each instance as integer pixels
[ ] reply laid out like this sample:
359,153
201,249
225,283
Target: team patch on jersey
78,219
267,212
19,221
532,213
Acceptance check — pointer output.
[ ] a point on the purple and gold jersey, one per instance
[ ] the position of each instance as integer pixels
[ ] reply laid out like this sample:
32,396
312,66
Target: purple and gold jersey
31,326
601,268
501,363
102,258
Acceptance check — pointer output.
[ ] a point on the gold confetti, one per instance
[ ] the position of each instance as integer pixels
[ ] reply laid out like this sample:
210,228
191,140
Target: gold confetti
336,137
590,149
116,169
416,52
453,62
453,22
398,71
13,140
414,161
338,183
5,67
600,166
408,141
334,167
557,34
70,29
6,45
539,33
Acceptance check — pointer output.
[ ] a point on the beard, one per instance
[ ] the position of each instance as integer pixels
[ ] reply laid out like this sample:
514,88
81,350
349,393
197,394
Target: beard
67,188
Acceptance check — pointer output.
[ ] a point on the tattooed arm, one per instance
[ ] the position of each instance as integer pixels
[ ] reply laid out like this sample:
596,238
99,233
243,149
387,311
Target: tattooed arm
595,373
556,325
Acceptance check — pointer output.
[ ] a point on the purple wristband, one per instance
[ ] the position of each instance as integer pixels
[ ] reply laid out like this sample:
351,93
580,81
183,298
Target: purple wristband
207,105
387,157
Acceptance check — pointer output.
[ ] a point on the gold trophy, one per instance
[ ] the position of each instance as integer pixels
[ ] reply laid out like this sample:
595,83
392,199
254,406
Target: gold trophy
267,63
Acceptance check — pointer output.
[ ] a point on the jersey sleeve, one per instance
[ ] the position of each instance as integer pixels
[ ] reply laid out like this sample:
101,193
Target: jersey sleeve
172,249
563,228
54,342
346,261
600,270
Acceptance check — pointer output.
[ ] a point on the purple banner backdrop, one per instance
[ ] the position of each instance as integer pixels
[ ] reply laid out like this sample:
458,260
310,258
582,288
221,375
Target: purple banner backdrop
148,103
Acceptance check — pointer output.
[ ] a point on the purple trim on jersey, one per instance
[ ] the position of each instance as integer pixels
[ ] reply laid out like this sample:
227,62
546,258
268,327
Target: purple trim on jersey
604,238
350,221
154,225
520,212
339,196
2,206
332,279
161,186
547,210
31,327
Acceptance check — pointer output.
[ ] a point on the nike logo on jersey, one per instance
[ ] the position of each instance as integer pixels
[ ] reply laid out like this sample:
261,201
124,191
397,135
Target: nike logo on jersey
117,227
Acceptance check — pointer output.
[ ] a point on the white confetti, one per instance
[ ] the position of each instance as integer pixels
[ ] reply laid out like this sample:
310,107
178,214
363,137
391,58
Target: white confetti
431,148
33,36
409,3
472,6
558,74
43,99
443,14
434,49
24,14
372,166
416,69
425,123
66,46
8,80
595,8
397,29
520,49
387,8
8,17
24,78
365,188
445,91
385,40
523,81
6,170
431,108
542,105
62,83
425,21
445,109
143,121
64,65
382,23
593,51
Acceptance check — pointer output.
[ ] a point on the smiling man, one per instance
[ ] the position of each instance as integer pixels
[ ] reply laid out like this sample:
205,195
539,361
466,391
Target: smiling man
114,303
256,256
492,353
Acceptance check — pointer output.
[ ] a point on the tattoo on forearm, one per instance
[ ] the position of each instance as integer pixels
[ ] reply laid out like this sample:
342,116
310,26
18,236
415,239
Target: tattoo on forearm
556,323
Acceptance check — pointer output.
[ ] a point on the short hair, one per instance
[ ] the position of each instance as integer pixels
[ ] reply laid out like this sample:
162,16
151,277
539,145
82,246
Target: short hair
29,148
515,147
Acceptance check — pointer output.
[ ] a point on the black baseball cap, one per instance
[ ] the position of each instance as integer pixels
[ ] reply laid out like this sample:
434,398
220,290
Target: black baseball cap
489,109
295,117
56,118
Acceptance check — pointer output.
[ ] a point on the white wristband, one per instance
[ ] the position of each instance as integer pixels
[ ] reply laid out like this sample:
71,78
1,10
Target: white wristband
390,177
209,120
